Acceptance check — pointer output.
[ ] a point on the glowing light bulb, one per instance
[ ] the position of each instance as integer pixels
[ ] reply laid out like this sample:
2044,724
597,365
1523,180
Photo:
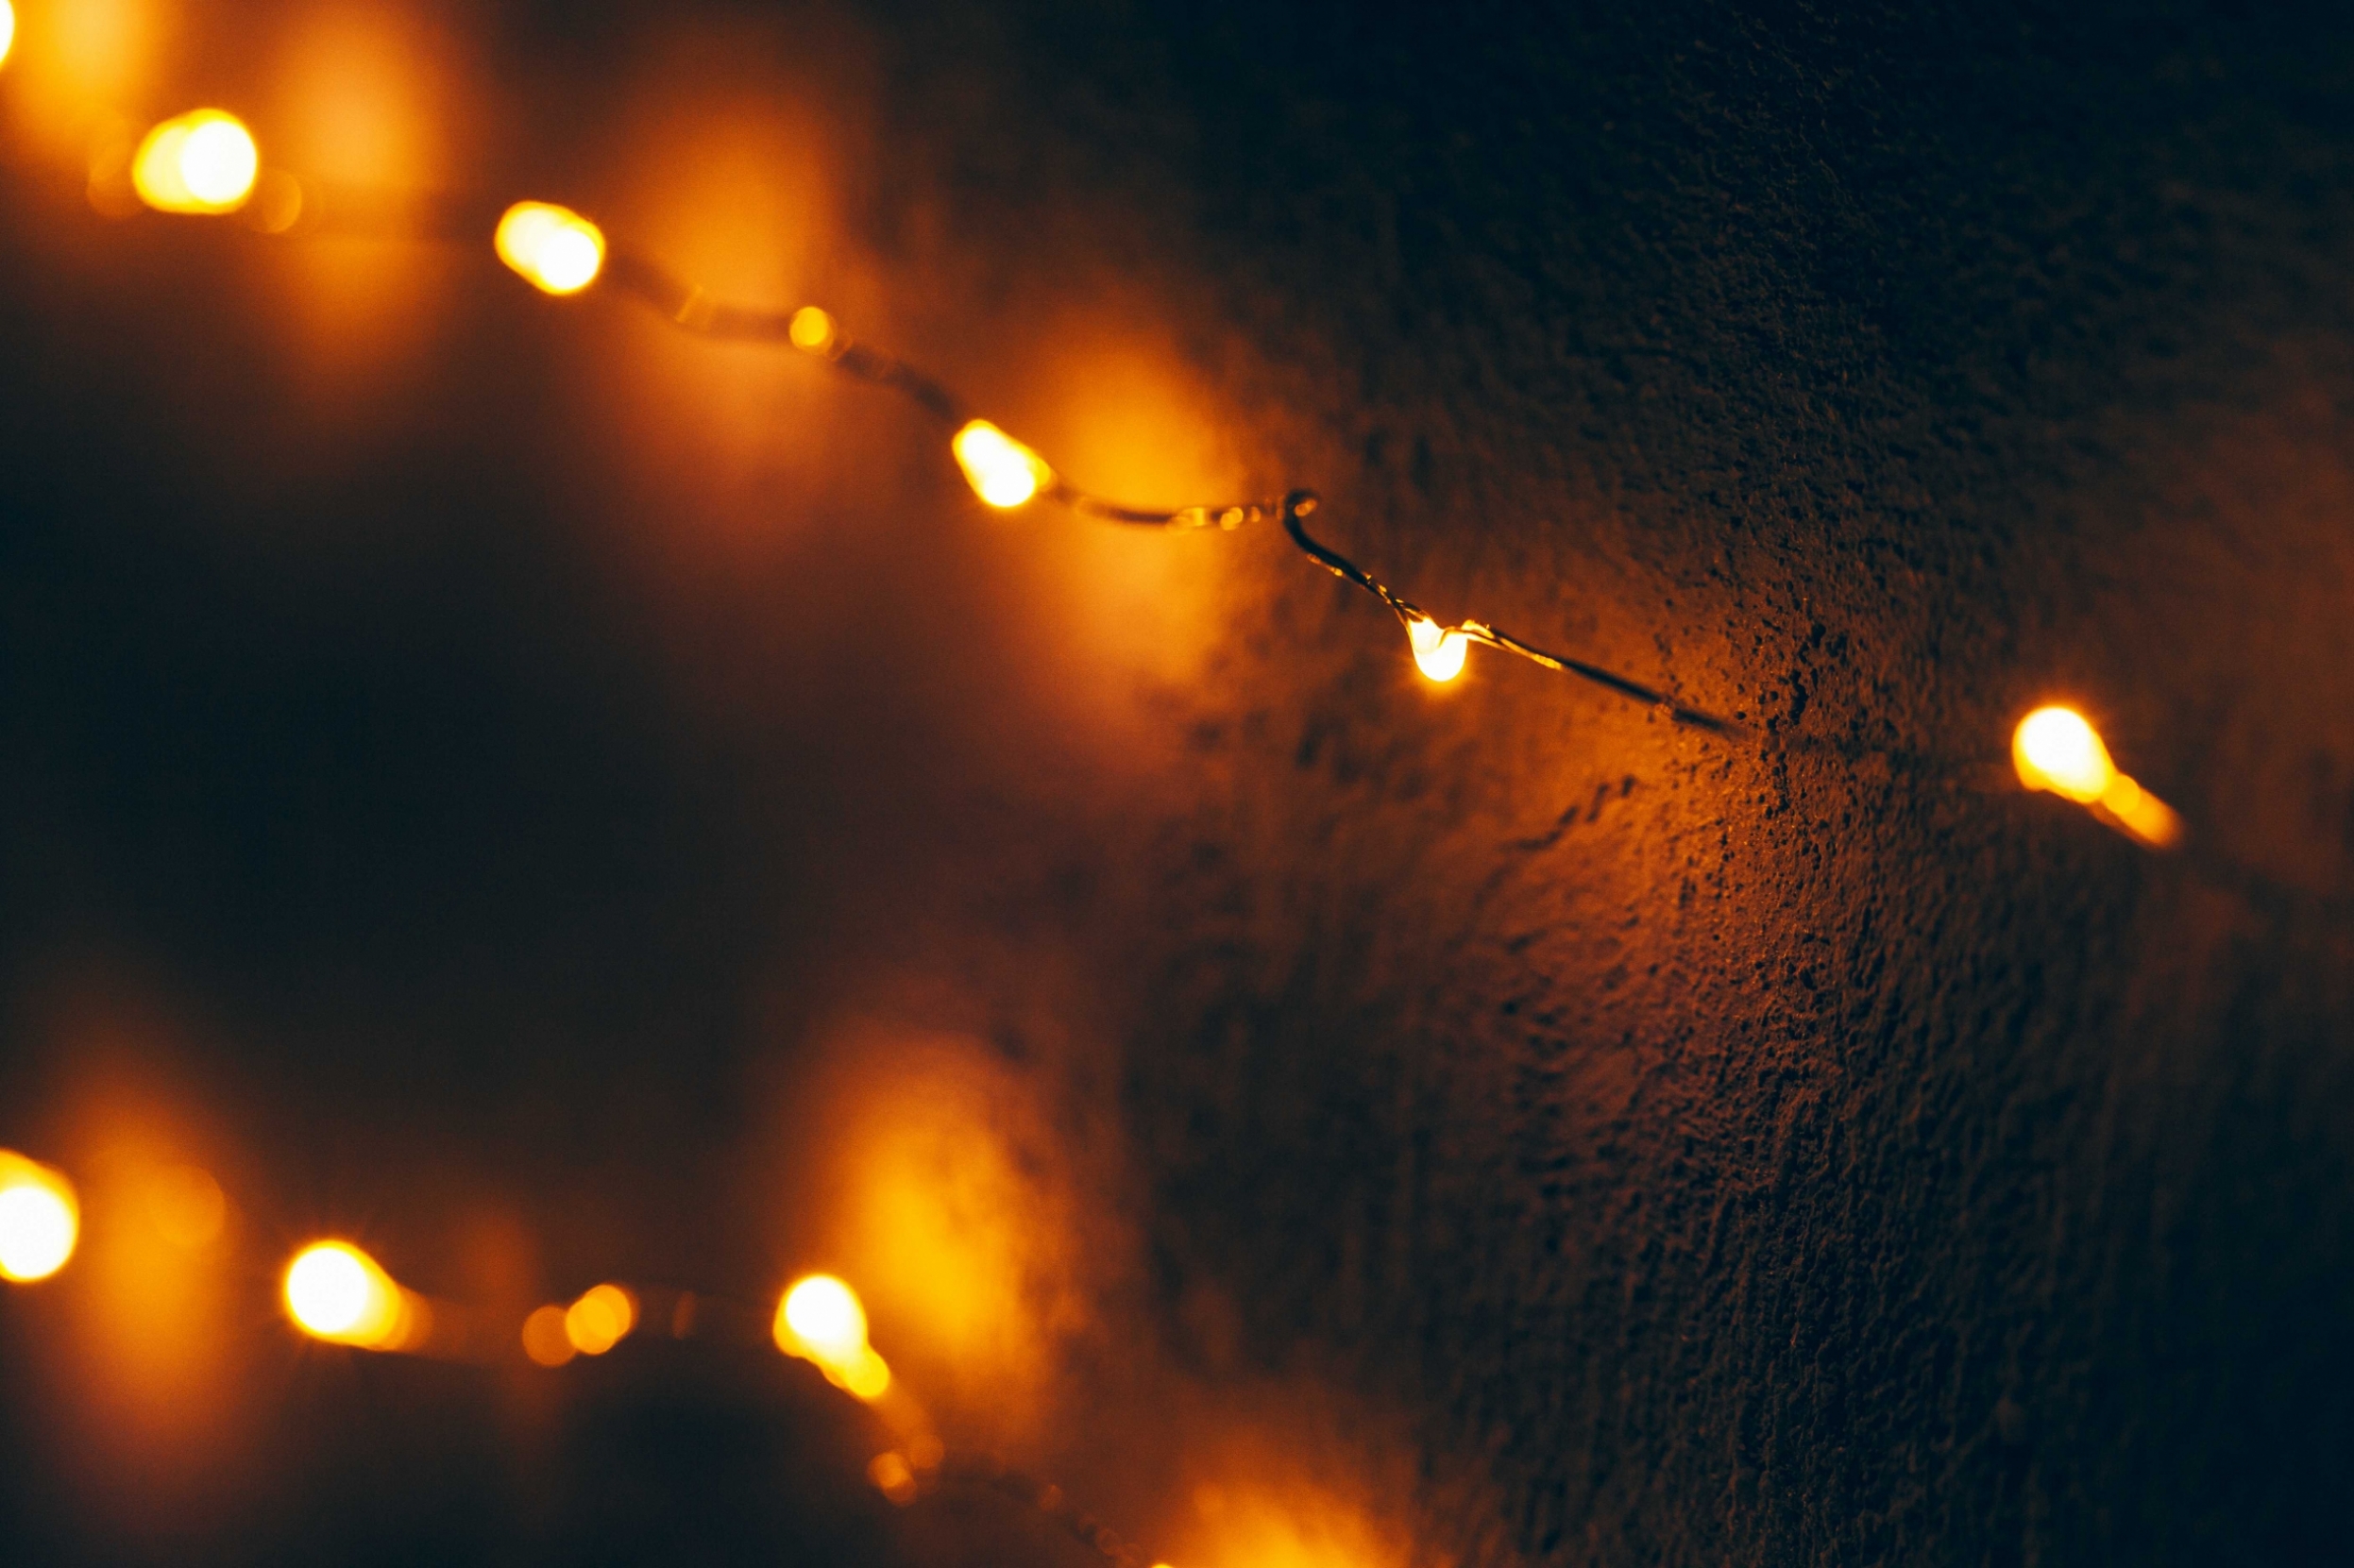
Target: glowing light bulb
1001,470
812,330
602,1319
40,1220
820,1320
8,30
337,1293
2057,749
555,248
1438,652
201,161
546,1340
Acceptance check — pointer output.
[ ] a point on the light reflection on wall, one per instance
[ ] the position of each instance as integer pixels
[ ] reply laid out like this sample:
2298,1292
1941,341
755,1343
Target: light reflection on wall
76,61
1260,1523
370,98
959,1220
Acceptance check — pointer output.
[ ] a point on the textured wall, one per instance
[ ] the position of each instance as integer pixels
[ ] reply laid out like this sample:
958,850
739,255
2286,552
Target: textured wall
1559,1138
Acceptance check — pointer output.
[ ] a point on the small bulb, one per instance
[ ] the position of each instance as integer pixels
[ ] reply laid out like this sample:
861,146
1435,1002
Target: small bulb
555,248
602,1319
8,30
201,161
1440,653
2054,749
40,1219
546,1338
812,330
2057,749
1001,470
337,1293
819,1321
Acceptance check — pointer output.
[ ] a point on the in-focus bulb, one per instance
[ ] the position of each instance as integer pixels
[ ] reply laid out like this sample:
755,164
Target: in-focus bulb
553,247
8,30
336,1292
1438,652
201,161
2057,749
1001,470
820,1320
40,1220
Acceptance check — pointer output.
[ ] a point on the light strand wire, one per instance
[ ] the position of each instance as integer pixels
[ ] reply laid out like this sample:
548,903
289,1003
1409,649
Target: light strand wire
687,307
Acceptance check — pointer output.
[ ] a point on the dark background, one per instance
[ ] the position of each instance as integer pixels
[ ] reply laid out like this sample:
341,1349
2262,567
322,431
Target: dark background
500,779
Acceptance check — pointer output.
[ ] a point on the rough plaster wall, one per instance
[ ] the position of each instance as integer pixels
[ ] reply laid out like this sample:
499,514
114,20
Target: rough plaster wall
1816,1154
1658,1150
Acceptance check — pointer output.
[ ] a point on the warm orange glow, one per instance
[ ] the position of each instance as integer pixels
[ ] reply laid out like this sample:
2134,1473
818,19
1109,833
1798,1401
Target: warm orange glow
8,30
813,331
186,1206
1438,652
337,1293
1001,470
820,1320
201,161
2057,749
40,1219
545,1339
894,1477
553,248
602,1319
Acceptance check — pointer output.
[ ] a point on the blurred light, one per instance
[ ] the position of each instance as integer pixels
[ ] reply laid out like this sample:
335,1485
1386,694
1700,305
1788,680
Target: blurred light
201,161
812,330
186,1206
1001,470
546,1338
2057,749
277,202
600,1319
894,1477
820,1320
335,1292
1440,653
553,247
40,1220
8,30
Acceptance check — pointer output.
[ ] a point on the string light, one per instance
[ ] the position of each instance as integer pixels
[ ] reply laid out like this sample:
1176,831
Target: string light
1001,470
1438,653
203,161
41,1219
8,30
602,1319
2057,749
554,248
336,1293
820,1320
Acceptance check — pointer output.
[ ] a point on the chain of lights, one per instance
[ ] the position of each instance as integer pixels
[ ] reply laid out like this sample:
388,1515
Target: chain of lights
207,163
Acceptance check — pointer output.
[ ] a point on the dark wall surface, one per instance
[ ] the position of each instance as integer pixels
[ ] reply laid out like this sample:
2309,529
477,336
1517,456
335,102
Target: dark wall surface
520,786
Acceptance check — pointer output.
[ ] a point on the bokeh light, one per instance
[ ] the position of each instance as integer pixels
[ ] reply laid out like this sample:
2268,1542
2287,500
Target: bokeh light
820,1320
201,161
544,1339
1001,470
813,331
553,247
602,1319
8,30
40,1219
1438,652
335,1292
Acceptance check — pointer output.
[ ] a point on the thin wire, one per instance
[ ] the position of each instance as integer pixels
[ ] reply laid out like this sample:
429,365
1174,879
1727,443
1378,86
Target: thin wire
687,307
